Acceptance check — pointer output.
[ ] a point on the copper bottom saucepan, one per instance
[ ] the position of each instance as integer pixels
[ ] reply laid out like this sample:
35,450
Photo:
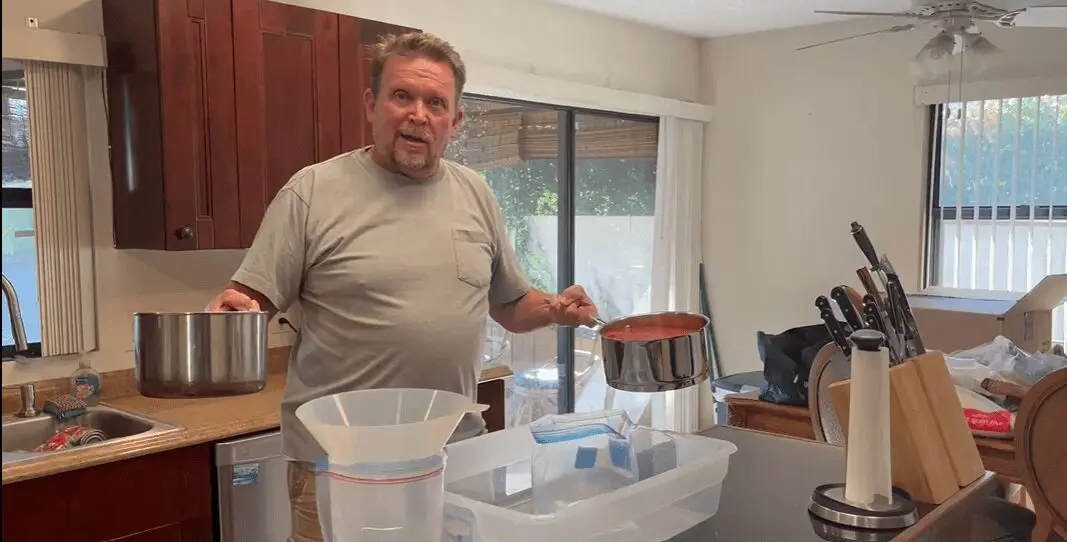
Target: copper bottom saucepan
654,352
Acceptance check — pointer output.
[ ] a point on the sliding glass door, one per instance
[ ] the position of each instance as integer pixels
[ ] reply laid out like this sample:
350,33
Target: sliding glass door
577,191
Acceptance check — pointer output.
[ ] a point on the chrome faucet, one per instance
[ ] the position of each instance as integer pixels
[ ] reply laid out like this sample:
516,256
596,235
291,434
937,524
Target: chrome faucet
29,400
18,328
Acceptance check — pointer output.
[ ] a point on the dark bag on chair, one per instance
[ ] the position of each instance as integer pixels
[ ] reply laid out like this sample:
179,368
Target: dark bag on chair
787,359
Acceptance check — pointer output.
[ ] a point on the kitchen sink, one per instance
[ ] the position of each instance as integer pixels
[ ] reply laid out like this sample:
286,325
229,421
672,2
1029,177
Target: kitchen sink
22,435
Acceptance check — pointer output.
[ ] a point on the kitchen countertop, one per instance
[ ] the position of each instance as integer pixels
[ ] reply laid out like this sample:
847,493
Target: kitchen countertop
198,421
768,486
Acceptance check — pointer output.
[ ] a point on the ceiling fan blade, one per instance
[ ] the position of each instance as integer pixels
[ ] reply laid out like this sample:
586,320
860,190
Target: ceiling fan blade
870,13
1044,16
890,30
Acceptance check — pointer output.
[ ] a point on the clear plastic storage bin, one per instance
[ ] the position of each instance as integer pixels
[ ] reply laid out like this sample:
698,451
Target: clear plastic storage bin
488,495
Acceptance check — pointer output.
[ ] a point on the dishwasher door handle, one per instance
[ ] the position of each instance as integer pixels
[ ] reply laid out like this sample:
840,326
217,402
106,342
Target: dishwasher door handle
249,449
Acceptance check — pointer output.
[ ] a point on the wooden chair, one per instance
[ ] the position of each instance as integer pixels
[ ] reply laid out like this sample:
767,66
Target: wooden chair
1041,451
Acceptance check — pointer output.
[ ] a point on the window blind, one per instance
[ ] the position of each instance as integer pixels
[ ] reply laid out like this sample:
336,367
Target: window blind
999,195
59,163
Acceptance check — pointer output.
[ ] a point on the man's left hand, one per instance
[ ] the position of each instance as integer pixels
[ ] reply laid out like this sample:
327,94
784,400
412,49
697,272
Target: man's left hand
572,307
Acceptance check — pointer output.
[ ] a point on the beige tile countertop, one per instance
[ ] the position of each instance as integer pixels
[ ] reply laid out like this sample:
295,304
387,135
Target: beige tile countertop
198,420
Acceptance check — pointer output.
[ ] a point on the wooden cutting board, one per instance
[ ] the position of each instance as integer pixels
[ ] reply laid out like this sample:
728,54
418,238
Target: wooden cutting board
920,462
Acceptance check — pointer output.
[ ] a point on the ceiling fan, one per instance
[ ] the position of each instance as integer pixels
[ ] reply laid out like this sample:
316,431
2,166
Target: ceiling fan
958,33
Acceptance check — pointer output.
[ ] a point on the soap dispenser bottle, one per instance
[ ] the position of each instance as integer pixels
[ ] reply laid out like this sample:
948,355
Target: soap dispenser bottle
86,382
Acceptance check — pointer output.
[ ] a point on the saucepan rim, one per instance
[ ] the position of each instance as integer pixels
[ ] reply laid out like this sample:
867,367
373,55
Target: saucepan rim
651,315
198,313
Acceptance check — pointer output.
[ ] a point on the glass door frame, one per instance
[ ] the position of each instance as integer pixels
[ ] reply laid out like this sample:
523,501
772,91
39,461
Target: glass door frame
566,172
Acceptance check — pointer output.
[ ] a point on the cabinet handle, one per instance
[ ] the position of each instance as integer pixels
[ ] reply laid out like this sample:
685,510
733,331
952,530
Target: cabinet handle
185,232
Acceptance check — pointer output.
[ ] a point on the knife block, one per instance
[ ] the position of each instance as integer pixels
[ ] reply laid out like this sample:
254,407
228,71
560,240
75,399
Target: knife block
932,449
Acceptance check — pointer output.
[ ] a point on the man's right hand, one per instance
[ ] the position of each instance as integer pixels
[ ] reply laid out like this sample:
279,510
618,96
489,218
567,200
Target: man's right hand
231,300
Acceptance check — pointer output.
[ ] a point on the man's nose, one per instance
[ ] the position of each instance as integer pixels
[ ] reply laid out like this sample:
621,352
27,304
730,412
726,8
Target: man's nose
418,112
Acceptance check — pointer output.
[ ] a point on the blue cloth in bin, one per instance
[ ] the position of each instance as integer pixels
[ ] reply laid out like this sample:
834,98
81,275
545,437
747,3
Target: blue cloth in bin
619,451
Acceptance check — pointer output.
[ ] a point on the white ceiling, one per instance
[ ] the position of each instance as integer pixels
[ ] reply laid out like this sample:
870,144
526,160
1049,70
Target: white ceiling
713,18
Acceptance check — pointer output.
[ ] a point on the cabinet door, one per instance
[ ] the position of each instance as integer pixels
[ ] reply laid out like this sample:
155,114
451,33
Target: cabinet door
356,36
172,123
287,98
199,124
164,497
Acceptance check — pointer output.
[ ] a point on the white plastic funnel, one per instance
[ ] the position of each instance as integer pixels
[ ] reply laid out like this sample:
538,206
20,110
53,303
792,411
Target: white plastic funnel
385,425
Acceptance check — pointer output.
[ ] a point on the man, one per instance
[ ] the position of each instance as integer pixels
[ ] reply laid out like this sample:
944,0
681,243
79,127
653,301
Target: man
396,257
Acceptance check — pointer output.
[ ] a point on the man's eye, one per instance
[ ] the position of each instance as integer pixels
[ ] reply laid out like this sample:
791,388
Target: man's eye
401,95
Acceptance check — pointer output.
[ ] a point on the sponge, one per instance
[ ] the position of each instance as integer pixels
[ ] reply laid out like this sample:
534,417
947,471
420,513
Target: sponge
65,407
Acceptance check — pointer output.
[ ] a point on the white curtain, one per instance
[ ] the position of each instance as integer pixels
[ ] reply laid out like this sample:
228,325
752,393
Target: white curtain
676,251
59,165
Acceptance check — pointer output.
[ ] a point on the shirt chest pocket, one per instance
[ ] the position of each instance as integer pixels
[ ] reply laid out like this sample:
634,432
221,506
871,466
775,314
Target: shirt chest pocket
474,257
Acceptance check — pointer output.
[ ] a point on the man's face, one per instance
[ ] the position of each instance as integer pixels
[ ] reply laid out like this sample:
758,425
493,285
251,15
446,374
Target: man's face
414,115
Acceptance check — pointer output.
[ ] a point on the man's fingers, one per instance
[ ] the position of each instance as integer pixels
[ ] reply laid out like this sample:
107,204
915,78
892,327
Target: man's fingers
232,300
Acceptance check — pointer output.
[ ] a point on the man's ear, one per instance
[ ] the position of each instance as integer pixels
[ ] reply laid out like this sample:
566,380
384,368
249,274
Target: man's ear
456,123
368,102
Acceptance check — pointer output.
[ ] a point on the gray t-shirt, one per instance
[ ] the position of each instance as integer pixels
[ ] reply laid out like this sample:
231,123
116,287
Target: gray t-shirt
394,277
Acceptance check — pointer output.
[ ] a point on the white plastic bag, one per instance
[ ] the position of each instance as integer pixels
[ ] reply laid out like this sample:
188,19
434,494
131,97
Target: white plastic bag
1008,362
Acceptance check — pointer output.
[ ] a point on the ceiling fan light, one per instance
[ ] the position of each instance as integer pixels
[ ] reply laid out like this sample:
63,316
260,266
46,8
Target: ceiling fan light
935,58
979,53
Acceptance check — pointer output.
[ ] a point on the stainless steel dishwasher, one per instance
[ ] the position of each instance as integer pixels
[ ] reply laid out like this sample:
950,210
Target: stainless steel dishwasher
253,489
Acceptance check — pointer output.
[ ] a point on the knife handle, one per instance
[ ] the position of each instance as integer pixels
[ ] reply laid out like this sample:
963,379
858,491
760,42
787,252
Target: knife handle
826,312
871,314
848,310
867,280
864,242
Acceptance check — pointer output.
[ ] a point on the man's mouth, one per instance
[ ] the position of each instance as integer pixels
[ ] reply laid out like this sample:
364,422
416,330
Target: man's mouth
413,138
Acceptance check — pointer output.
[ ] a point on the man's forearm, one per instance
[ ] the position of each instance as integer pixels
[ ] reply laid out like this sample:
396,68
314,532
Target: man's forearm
528,313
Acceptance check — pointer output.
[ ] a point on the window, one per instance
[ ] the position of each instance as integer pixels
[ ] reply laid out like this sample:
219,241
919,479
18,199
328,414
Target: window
19,248
999,195
577,192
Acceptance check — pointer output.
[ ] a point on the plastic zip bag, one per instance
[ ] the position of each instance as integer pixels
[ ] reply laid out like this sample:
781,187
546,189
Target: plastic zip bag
580,456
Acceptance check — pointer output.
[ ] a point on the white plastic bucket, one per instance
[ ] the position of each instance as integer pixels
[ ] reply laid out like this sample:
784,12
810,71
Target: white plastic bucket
385,425
381,502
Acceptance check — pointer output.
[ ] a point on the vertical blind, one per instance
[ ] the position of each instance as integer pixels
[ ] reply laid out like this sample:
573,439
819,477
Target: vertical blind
59,163
999,195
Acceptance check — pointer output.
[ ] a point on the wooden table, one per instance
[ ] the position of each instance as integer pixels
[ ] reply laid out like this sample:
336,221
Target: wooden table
748,411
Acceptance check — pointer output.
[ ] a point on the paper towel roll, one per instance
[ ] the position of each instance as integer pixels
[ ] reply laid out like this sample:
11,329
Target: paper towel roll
868,471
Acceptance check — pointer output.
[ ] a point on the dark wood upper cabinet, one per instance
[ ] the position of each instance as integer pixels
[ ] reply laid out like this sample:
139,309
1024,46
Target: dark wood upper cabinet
172,124
214,104
356,36
288,113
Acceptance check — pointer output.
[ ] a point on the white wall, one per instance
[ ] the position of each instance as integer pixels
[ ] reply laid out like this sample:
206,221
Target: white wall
523,35
802,144
548,40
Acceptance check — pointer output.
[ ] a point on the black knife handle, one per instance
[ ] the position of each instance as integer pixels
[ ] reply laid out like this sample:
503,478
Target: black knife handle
826,312
848,310
864,242
908,327
872,314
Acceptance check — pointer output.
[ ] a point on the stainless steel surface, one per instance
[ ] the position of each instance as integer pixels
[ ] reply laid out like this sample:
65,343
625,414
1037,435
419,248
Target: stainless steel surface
253,489
828,502
28,396
18,328
200,354
767,490
656,365
22,435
